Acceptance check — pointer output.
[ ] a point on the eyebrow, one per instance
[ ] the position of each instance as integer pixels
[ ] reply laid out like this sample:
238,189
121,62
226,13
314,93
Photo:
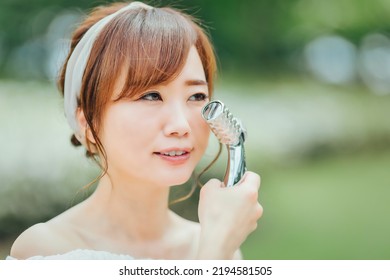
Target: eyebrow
196,83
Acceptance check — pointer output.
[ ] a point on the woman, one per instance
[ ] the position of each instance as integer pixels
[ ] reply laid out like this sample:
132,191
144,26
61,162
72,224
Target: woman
134,84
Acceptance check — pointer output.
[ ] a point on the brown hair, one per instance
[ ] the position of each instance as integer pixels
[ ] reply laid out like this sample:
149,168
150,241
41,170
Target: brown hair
151,43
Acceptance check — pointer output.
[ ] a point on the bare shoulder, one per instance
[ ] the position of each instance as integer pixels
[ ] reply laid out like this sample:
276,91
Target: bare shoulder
42,239
56,236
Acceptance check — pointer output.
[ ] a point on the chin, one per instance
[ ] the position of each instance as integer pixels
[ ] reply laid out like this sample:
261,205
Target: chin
179,181
174,179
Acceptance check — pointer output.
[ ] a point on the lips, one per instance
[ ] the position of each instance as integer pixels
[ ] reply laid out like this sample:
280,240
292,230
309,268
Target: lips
174,155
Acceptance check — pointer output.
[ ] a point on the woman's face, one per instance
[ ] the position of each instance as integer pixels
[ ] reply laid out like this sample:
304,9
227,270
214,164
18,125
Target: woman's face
160,137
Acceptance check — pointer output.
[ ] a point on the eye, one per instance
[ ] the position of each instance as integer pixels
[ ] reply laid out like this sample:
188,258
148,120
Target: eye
198,97
151,96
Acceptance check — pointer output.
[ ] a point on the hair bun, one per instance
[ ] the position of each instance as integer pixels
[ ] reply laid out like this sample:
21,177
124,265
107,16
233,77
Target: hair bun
75,142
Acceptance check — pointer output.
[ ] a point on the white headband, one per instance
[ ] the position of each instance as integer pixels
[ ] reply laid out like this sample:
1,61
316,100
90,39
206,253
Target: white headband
78,61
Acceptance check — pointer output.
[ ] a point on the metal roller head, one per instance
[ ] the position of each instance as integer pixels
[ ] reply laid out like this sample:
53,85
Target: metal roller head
226,128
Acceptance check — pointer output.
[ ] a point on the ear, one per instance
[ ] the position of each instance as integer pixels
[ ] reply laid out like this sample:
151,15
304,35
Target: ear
84,133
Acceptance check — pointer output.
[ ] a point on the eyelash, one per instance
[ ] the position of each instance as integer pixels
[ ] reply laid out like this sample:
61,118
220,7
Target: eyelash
199,97
155,96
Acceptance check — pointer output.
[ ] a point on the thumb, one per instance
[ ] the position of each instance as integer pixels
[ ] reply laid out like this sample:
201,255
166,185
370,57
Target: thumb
250,178
212,184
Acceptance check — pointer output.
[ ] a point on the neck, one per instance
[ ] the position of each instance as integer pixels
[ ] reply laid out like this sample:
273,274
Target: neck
133,210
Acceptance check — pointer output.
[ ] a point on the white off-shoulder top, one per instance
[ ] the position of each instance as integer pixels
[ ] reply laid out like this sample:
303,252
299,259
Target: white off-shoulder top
81,254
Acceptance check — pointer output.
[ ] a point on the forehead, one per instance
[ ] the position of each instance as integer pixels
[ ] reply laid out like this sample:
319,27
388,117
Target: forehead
153,52
190,74
193,69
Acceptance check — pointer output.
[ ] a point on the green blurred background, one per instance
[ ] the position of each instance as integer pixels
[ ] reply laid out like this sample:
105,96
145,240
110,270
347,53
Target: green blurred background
309,79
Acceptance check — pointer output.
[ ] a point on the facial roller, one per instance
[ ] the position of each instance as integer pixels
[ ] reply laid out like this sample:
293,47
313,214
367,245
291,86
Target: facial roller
230,132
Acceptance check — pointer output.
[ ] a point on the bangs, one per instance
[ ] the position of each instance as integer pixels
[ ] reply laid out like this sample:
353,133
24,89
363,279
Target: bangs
160,41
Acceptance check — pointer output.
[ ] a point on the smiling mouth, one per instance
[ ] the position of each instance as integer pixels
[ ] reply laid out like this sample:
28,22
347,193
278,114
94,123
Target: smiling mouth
173,153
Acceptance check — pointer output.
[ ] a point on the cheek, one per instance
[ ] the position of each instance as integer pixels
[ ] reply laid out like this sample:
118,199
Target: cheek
205,131
202,132
122,131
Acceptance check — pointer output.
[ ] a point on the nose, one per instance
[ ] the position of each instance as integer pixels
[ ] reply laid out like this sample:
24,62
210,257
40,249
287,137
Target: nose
177,123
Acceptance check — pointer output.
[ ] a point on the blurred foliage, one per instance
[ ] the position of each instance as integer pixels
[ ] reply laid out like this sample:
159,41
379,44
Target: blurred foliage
323,154
333,208
251,35
322,150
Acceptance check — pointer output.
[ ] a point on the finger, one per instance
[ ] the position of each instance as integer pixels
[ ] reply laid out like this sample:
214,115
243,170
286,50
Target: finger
259,210
213,183
210,185
252,179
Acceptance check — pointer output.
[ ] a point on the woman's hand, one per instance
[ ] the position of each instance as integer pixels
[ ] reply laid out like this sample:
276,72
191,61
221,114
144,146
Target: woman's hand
227,216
